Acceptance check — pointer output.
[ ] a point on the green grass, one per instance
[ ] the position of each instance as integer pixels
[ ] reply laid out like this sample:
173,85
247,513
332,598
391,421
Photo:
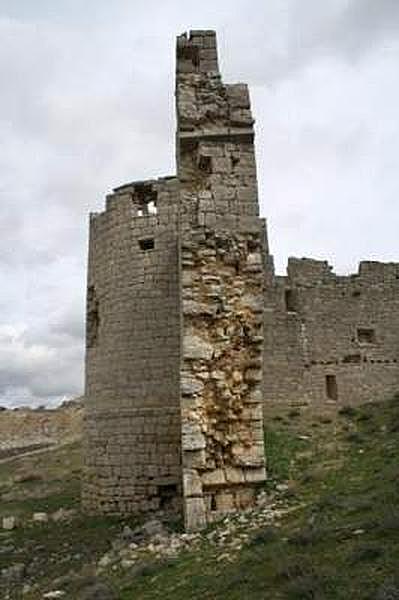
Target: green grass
341,542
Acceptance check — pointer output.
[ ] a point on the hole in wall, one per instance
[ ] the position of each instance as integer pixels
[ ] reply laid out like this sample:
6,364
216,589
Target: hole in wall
290,300
353,359
331,387
145,199
366,335
147,244
213,502
166,494
235,160
205,164
252,245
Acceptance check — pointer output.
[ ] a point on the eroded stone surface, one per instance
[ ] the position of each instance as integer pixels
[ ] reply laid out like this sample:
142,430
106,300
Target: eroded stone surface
221,248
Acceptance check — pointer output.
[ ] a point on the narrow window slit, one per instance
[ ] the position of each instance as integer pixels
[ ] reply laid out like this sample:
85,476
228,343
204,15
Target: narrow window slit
147,244
331,387
290,301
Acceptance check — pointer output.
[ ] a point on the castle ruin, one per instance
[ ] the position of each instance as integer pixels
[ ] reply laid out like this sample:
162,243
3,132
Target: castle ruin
189,331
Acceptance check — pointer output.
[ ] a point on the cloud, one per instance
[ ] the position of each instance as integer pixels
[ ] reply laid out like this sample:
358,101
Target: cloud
47,369
87,104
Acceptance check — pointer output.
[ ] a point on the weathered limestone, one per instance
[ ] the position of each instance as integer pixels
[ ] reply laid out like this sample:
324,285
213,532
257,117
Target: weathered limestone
175,317
132,423
189,331
331,340
222,245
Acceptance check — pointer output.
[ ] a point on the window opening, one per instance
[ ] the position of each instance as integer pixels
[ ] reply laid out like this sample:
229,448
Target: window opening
290,303
331,387
145,198
147,244
366,335
205,164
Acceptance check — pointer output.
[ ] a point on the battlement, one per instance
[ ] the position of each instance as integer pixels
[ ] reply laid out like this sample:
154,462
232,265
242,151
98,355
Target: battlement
196,52
311,272
207,109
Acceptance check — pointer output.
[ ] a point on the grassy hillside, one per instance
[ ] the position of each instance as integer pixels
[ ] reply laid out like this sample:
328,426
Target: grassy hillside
334,535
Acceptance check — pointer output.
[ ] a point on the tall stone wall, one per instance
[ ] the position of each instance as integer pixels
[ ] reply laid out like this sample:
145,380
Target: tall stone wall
332,339
189,332
174,335
222,264
132,424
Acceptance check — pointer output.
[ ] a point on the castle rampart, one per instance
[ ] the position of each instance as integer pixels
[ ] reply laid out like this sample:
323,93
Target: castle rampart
175,316
133,347
332,339
190,333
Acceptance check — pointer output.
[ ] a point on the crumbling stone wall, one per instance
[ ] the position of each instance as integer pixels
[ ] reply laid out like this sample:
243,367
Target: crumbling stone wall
223,261
332,339
174,336
132,424
189,332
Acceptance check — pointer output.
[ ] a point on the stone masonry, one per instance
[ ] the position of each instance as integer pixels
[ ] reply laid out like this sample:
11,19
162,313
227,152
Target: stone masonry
174,364
190,332
331,340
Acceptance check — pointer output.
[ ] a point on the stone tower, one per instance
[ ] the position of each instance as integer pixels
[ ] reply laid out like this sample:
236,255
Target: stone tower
174,367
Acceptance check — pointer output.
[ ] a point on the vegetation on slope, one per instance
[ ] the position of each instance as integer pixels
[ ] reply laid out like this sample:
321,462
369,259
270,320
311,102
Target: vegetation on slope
337,477
342,543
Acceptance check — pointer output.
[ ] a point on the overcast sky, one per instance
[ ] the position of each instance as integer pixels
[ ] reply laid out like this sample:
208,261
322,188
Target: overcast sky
86,104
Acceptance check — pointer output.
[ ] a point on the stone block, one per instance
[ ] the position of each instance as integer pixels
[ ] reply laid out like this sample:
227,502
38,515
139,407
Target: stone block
9,523
255,475
225,502
194,514
192,484
215,477
192,437
234,475
196,348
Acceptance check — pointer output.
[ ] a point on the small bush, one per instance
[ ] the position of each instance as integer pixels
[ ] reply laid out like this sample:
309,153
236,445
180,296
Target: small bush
305,588
389,590
366,553
364,416
295,568
389,521
347,411
355,438
280,449
264,536
305,537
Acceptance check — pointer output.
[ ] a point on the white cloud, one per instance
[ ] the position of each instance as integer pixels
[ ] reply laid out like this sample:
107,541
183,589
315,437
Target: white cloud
87,104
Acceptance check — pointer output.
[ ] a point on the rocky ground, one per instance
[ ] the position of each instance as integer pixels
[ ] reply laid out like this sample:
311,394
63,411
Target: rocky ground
326,525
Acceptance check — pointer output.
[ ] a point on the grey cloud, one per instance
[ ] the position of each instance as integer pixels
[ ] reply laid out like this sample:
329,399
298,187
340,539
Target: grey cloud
88,104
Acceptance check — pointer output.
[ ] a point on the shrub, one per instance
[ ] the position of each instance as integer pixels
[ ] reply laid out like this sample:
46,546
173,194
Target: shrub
347,411
264,536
